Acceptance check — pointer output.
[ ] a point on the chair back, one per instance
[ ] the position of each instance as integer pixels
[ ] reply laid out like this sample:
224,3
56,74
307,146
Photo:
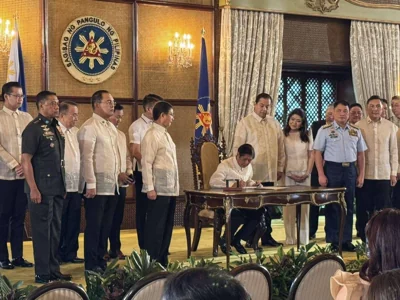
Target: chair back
206,154
255,279
209,162
149,288
59,290
313,281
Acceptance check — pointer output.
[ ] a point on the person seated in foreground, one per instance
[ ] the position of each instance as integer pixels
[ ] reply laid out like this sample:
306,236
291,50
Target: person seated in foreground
383,244
238,168
385,286
203,284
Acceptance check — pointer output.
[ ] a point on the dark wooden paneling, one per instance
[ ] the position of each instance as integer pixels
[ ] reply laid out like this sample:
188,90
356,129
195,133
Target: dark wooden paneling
169,3
319,41
174,102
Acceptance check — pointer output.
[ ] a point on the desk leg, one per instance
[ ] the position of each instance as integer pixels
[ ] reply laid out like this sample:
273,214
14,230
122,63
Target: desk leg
342,203
298,223
186,222
228,205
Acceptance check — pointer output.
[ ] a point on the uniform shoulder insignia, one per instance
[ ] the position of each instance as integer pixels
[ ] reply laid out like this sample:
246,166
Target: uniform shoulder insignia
327,126
354,126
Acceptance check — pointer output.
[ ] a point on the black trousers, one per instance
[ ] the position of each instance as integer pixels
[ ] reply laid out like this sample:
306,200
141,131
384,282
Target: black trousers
70,226
396,196
268,221
115,240
159,226
12,212
375,195
249,218
99,212
360,213
141,209
46,229
314,209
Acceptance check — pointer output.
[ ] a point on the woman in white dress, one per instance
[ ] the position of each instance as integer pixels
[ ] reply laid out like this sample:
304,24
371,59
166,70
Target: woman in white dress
299,164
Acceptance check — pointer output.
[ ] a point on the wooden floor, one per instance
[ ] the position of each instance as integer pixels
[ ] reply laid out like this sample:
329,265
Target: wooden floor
177,249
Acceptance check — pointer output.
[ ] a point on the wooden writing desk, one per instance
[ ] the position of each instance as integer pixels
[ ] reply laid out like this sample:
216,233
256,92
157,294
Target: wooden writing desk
259,197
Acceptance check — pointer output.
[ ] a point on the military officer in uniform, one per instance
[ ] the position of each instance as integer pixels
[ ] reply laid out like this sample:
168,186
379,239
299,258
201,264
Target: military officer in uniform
341,145
43,165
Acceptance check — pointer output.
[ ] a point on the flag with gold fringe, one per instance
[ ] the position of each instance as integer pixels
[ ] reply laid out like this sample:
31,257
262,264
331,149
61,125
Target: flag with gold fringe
203,112
15,71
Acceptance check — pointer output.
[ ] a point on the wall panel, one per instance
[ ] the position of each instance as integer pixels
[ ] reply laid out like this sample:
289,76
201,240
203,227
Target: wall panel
61,13
156,26
30,28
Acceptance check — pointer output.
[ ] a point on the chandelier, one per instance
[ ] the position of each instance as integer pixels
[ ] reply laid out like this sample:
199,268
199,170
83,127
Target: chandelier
6,36
180,51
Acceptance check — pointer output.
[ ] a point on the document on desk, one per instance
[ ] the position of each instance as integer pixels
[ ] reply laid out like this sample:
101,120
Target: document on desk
274,188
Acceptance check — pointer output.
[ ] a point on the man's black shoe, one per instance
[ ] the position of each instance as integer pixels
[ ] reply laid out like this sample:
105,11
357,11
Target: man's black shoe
239,248
250,246
42,279
97,270
348,247
271,242
60,276
222,245
312,237
6,265
117,254
334,247
75,260
21,262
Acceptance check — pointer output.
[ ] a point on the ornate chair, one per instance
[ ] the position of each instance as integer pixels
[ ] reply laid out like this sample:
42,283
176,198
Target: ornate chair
149,288
255,279
313,281
59,290
206,156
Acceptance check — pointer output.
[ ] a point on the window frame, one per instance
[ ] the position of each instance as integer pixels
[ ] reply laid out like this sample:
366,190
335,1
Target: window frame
303,75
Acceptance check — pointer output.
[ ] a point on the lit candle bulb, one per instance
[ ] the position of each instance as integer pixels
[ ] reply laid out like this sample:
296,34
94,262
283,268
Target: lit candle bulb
7,31
170,47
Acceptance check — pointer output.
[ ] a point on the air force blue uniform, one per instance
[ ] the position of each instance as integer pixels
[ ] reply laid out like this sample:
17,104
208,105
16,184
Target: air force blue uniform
340,147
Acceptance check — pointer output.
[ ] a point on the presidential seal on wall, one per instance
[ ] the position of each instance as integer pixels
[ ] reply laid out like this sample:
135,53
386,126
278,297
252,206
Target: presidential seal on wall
91,49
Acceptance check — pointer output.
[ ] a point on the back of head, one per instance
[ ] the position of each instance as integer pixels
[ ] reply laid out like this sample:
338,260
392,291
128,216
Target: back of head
203,284
97,97
150,100
355,105
385,286
341,102
42,96
383,235
374,97
65,105
246,149
161,107
263,96
7,88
